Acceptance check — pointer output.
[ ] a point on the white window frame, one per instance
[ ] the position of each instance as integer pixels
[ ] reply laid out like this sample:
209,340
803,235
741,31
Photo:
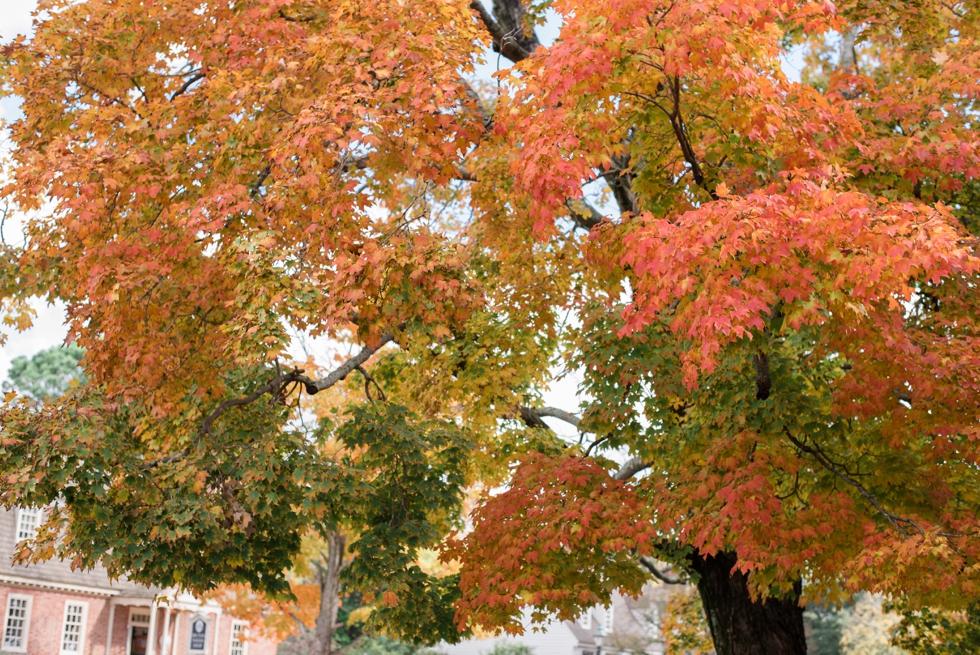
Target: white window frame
585,620
23,512
27,624
139,612
242,643
607,619
81,628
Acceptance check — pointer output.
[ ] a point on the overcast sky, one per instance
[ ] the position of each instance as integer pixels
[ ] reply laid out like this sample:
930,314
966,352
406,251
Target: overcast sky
49,326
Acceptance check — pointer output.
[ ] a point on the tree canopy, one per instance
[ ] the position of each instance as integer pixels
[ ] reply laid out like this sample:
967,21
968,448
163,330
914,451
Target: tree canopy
767,285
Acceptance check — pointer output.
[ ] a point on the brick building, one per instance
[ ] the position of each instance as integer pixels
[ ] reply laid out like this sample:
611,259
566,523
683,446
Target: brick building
49,609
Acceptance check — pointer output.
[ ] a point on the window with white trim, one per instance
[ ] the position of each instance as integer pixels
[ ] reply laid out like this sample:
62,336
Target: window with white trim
73,632
16,623
238,643
139,616
607,620
28,520
585,620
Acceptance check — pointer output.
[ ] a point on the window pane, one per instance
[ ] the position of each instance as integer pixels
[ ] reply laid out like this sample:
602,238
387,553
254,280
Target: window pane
237,643
13,632
71,640
28,519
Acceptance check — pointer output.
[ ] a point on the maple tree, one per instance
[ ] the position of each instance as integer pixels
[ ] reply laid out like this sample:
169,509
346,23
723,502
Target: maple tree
772,302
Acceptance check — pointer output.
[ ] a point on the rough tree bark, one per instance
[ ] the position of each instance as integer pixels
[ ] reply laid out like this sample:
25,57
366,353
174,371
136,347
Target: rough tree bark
326,621
740,626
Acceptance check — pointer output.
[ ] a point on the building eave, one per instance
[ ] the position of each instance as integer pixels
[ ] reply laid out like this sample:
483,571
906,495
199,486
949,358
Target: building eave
33,583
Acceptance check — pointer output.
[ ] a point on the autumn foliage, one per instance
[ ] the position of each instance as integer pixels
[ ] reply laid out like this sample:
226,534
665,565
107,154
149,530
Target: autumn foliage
765,282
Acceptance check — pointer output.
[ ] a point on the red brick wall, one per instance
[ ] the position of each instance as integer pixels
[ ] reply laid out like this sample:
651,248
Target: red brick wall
48,614
47,620
120,630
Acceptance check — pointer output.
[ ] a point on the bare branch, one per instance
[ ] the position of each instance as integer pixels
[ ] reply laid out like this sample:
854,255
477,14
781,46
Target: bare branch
531,418
187,85
585,215
345,369
552,412
504,42
631,468
763,380
368,381
263,175
274,386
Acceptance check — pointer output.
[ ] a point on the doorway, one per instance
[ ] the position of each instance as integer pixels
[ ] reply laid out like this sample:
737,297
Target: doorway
139,638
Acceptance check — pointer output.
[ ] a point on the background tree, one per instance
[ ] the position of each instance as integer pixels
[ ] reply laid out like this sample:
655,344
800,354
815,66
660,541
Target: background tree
46,374
935,632
770,299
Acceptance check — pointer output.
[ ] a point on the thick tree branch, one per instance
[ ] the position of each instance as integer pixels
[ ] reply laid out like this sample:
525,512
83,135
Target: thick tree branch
276,386
650,565
535,414
848,55
531,418
620,182
631,468
583,214
507,42
187,85
326,621
348,367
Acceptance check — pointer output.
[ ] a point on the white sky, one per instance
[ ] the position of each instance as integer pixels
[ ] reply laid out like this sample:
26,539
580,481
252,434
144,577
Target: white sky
49,326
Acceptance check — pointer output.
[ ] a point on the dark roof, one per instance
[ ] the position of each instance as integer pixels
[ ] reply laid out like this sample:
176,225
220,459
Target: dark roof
56,571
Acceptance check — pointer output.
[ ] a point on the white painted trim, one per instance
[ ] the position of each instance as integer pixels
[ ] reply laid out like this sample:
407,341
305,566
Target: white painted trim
56,586
112,620
81,628
607,619
136,610
27,622
173,644
217,628
151,642
165,636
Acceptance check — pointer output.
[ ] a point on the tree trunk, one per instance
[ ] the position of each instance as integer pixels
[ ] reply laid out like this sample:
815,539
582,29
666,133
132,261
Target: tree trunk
326,621
740,626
